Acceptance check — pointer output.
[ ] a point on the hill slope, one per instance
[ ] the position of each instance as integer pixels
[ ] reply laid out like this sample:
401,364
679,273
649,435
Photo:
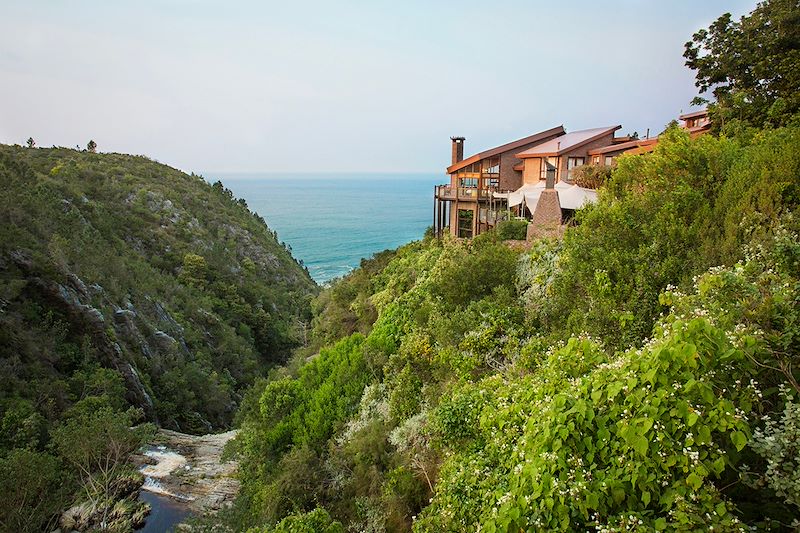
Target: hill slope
639,374
116,262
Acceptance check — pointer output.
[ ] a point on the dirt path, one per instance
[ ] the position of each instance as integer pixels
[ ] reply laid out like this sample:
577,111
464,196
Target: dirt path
188,468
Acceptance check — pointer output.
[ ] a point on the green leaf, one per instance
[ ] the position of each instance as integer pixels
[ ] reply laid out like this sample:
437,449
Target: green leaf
660,524
703,435
646,498
739,440
640,444
592,500
721,509
614,388
694,481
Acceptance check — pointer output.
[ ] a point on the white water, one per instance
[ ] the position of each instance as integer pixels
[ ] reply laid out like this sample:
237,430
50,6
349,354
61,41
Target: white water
167,462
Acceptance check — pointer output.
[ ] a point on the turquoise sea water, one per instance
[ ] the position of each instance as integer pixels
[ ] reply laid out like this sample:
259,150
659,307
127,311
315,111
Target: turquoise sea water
332,221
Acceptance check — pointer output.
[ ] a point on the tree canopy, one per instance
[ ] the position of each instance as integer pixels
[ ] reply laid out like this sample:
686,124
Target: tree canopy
750,66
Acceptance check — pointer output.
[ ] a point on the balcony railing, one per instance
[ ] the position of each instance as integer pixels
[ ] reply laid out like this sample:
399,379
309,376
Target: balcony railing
446,192
492,216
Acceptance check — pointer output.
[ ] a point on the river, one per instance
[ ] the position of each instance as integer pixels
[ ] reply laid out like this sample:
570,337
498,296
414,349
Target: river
165,512
184,475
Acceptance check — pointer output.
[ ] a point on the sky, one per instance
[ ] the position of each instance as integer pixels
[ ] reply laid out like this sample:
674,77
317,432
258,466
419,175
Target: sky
338,86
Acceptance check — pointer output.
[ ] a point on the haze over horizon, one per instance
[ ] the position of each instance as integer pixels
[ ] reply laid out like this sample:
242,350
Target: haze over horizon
341,87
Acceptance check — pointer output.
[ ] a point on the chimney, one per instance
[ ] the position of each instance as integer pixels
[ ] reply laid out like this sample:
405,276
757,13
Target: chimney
458,149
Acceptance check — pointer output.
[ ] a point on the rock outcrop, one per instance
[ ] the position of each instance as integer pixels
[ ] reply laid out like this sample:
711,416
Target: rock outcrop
190,469
69,298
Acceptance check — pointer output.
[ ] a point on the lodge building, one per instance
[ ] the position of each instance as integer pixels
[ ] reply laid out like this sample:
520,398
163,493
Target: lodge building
516,179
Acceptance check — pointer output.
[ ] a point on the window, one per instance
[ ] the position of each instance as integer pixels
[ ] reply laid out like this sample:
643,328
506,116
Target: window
490,167
548,164
465,218
573,163
596,160
609,160
492,182
469,175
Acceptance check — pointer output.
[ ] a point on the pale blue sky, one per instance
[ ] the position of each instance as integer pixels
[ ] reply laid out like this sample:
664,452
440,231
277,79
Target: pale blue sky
340,85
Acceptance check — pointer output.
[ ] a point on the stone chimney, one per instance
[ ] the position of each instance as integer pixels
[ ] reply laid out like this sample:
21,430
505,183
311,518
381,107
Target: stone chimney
458,149
550,176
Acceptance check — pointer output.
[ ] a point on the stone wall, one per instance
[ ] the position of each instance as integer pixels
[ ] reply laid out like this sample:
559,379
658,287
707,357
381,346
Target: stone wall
546,220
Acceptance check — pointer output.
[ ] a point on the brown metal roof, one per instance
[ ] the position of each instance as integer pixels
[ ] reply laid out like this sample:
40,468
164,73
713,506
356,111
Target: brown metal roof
698,130
643,149
567,142
541,136
621,147
693,114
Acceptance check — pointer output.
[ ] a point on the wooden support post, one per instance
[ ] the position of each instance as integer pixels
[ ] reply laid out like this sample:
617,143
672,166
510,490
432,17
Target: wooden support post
435,205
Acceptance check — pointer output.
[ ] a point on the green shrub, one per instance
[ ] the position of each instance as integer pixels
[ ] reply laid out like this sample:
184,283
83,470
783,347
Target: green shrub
516,230
316,521
592,176
578,447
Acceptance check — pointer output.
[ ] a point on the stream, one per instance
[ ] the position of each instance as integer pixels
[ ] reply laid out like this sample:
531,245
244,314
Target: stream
165,512
184,476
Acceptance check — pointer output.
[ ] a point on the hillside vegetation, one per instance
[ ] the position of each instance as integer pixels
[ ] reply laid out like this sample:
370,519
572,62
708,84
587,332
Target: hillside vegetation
639,374
125,283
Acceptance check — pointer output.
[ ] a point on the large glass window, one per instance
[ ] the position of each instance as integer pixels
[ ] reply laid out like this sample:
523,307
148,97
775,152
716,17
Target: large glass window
573,163
609,160
469,175
490,167
465,218
484,173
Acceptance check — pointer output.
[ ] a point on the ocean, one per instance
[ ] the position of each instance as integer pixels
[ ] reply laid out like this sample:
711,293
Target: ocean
332,221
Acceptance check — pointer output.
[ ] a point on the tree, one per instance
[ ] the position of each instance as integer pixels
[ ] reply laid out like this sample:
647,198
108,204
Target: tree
752,67
194,270
98,441
33,491
91,147
30,142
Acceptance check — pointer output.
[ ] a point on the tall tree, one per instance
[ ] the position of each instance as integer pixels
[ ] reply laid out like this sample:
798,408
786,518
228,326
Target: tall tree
30,142
92,146
750,66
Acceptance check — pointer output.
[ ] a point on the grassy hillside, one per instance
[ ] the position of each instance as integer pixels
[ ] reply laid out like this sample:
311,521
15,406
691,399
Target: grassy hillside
640,374
118,262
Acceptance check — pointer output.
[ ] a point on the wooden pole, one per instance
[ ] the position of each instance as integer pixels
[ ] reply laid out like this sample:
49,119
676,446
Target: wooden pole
435,205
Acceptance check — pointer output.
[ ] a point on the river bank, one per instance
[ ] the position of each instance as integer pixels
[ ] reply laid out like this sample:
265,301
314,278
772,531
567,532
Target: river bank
184,476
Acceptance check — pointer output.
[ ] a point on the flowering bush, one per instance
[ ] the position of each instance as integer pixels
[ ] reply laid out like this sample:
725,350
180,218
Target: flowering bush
779,444
631,442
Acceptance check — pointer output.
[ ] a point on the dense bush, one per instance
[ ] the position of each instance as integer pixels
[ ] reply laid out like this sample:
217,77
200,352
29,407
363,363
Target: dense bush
592,176
663,218
282,440
508,230
608,380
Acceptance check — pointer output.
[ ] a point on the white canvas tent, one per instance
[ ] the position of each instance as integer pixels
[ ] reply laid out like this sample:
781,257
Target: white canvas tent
569,196
528,193
576,197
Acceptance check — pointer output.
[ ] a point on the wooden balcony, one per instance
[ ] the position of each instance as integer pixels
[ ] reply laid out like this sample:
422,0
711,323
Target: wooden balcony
466,194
